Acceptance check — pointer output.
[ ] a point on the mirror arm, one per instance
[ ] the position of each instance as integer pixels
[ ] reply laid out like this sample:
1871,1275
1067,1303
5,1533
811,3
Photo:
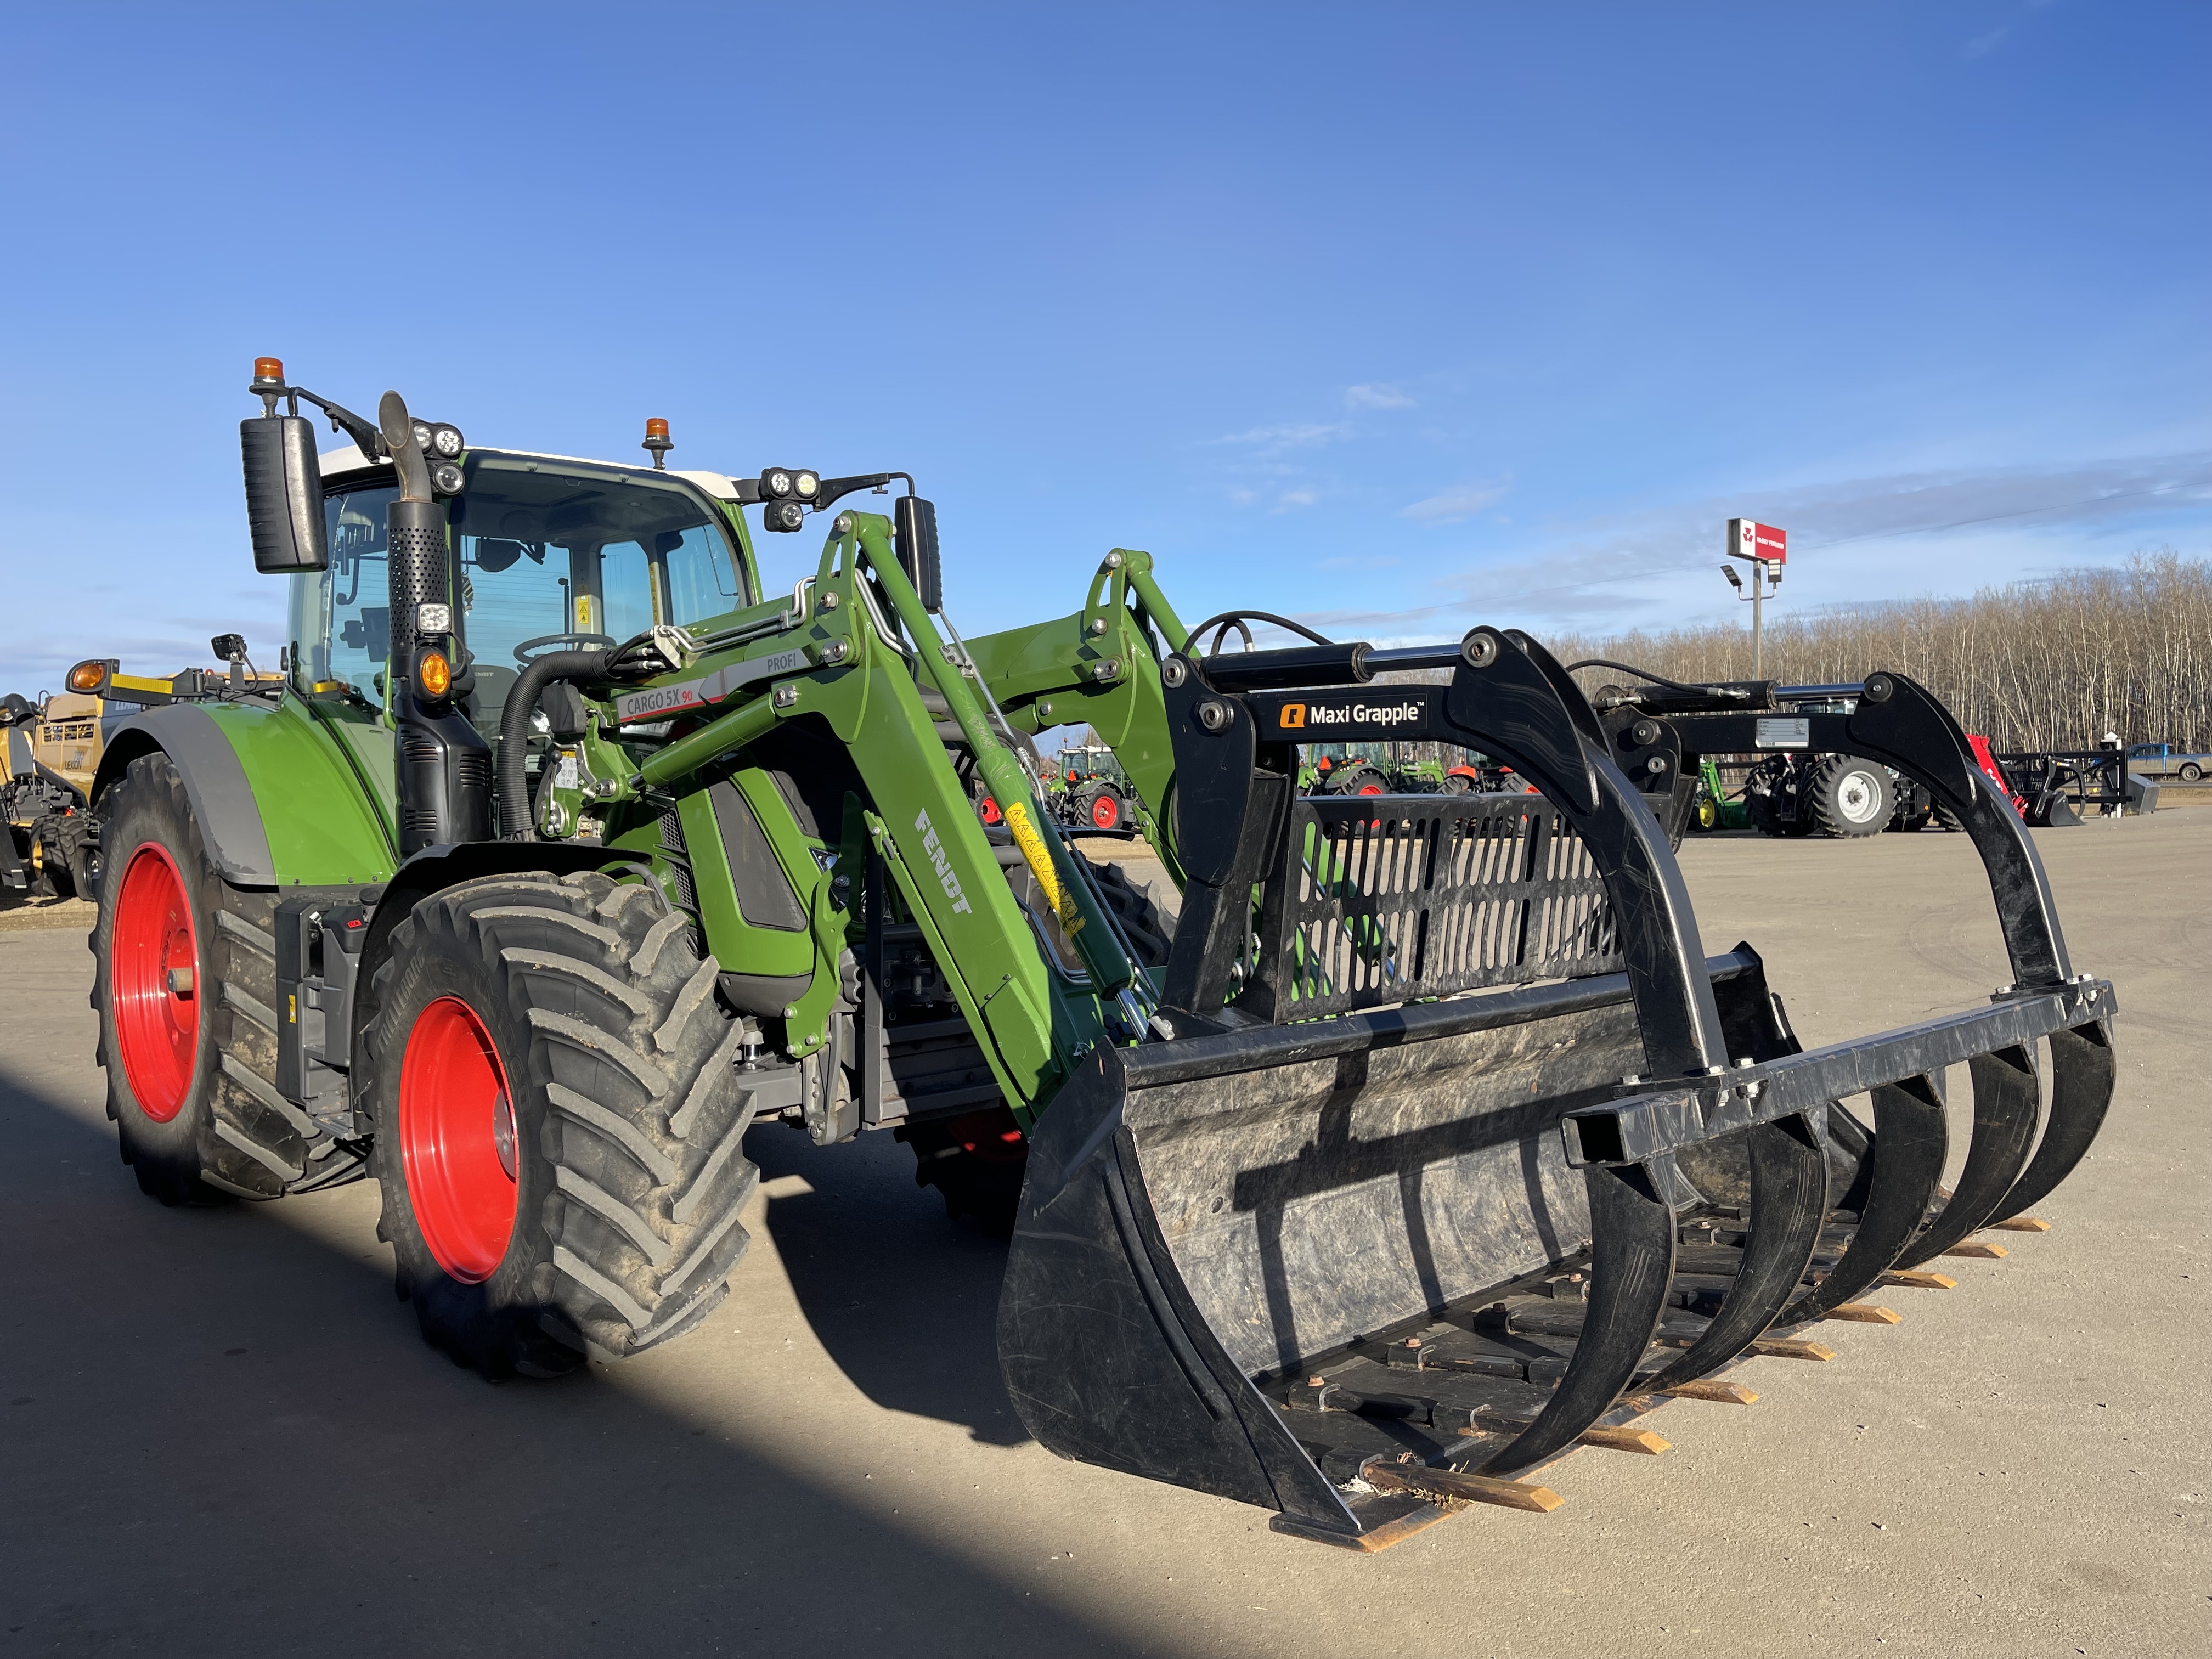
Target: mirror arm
365,436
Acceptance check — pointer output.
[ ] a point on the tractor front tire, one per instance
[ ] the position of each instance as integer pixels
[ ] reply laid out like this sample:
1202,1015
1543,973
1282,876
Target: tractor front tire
560,1123
184,984
1104,810
1850,797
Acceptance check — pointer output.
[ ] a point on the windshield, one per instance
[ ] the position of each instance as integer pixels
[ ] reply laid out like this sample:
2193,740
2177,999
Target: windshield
547,550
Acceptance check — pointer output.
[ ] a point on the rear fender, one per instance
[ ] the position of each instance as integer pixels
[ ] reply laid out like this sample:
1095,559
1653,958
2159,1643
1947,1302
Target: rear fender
277,803
221,797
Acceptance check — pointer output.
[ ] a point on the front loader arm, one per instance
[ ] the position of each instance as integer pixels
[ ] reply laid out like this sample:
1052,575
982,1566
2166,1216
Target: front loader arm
848,665
1099,667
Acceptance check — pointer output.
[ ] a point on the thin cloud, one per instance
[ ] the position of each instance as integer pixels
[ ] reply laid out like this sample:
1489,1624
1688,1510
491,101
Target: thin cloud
1919,503
1376,395
1275,440
1629,567
1456,504
1291,499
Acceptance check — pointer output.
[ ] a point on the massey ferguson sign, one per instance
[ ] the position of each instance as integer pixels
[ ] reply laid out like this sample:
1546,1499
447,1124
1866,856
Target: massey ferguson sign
1750,540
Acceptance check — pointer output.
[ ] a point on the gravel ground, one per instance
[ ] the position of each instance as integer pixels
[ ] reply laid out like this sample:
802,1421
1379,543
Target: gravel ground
224,1436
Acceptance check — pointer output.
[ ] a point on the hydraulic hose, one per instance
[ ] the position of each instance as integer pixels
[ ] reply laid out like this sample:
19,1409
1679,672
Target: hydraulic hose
514,714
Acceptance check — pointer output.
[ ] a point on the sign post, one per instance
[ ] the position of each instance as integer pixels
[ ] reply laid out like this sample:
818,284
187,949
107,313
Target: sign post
1766,549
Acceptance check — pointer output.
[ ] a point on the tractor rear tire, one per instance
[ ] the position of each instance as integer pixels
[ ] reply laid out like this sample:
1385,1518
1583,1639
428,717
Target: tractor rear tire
184,984
1848,797
560,1122
1103,808
1363,780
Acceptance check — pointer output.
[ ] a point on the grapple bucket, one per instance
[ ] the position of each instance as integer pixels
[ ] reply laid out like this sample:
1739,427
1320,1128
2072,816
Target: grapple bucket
1467,1154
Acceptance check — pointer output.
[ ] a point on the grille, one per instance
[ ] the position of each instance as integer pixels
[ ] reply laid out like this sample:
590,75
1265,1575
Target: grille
1387,898
678,857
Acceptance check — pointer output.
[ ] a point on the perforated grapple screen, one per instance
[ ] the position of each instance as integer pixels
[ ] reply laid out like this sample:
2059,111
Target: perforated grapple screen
1382,899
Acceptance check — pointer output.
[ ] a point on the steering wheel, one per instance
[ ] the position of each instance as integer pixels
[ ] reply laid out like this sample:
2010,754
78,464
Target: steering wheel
522,651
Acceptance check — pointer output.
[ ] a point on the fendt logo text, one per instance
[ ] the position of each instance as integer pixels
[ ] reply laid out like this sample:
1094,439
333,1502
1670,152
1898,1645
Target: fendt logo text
941,864
1298,716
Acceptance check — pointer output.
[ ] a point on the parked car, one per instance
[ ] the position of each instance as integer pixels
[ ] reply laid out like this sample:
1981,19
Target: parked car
2165,760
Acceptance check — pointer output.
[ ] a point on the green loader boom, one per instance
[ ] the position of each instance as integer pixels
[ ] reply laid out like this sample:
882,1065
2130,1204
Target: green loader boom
561,856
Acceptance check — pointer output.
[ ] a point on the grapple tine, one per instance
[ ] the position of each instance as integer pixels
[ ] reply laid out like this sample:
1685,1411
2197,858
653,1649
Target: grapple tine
1632,1269
1909,1141
2008,1102
1789,1202
2082,1073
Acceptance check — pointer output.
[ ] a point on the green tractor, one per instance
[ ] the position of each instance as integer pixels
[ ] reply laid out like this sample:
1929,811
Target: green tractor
562,855
1715,807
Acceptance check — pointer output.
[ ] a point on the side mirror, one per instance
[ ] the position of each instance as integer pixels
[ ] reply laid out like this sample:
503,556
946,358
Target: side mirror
283,494
913,526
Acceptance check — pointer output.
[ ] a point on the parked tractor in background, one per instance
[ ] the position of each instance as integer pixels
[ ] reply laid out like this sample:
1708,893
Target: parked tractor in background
564,854
1717,807
1398,768
1096,795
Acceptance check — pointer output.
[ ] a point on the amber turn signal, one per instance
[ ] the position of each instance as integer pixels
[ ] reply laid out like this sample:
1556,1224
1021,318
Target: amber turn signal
87,676
434,675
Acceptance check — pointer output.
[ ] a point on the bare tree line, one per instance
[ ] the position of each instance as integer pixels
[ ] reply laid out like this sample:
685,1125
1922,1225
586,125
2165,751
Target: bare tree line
2053,663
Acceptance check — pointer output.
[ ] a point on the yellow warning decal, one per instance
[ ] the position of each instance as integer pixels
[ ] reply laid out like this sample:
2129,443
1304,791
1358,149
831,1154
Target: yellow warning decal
1038,857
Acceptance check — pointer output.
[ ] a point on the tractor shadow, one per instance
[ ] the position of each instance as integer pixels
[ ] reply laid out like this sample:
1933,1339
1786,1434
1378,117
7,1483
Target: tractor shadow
904,1300
223,1428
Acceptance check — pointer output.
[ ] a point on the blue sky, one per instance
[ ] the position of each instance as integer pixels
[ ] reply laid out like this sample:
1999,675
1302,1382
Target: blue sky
1398,317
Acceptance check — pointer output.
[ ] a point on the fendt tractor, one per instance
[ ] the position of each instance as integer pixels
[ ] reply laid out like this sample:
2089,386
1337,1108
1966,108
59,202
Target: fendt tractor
1426,1144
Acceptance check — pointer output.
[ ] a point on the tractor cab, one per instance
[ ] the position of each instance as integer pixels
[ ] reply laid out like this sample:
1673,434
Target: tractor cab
547,553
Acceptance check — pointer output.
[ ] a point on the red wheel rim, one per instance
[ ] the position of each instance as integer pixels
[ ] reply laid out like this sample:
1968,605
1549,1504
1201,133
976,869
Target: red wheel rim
457,1142
1370,789
1105,812
154,982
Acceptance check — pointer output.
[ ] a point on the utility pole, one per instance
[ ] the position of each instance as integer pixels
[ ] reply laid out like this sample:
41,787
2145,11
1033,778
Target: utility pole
1764,549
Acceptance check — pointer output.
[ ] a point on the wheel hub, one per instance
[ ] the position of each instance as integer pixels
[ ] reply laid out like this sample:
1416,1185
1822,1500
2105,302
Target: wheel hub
1857,797
458,1145
153,956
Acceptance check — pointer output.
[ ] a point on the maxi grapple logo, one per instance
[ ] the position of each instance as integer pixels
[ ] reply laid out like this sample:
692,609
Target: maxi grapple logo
1303,716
